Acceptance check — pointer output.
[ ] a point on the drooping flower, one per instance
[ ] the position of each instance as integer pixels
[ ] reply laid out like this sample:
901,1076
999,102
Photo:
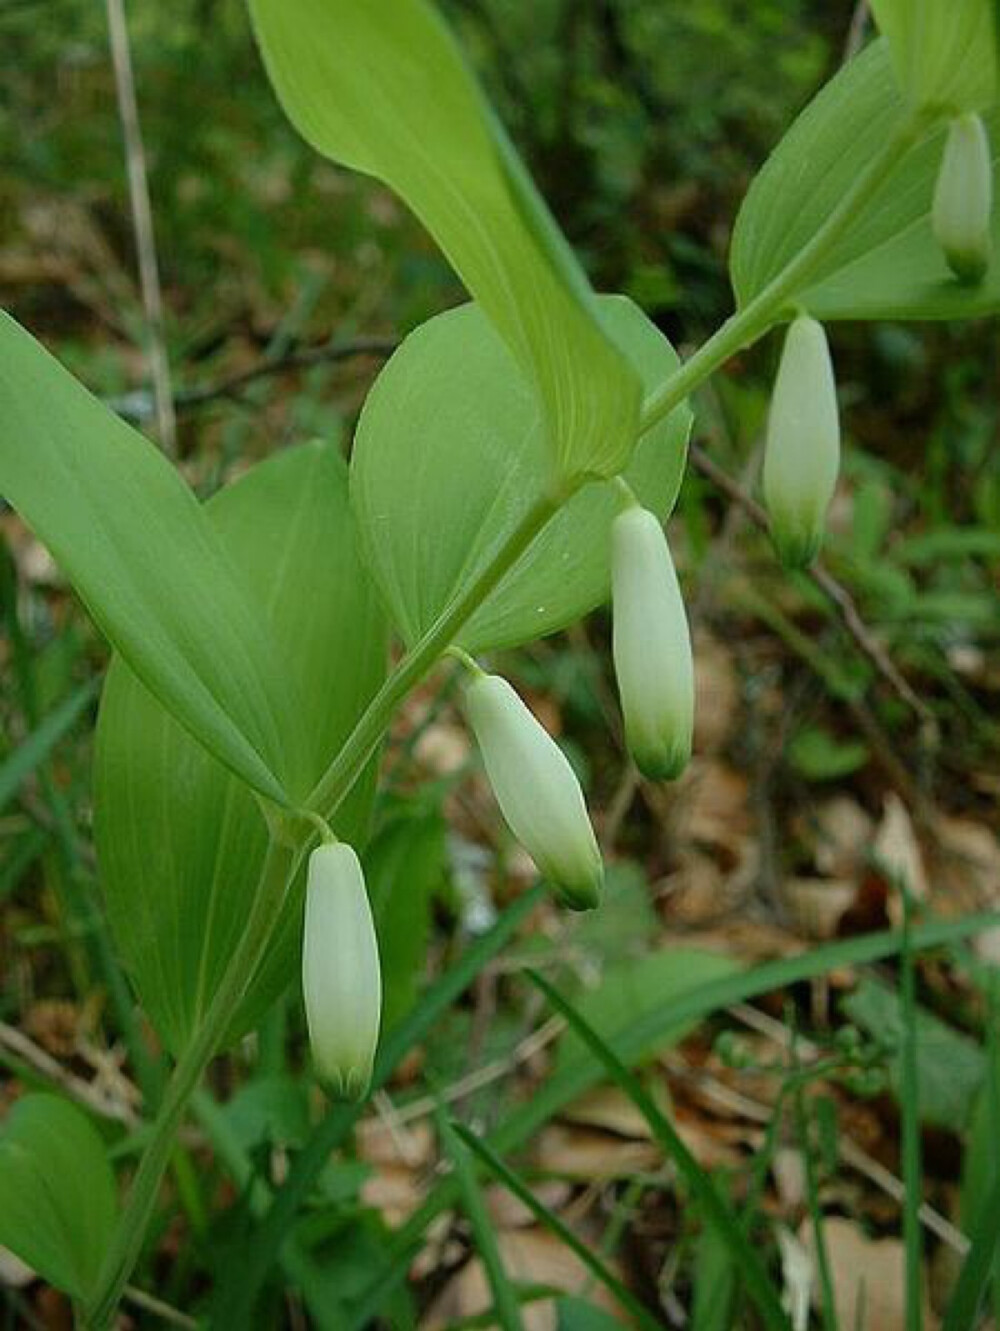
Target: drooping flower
537,790
802,451
341,976
652,646
963,199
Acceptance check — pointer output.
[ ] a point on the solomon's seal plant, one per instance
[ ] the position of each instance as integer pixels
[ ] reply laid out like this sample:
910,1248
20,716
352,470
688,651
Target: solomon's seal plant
513,456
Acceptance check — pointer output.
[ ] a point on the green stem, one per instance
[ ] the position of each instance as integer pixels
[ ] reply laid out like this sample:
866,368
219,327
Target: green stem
912,1155
367,734
757,316
279,865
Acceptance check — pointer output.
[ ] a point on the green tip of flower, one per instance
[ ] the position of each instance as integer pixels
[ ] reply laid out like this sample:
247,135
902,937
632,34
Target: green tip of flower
581,896
665,764
969,266
796,549
350,1084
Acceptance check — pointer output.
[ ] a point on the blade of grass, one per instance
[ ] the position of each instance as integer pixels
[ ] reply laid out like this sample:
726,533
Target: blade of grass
981,1268
634,1040
827,1301
978,1267
22,857
19,765
505,1303
516,1185
910,1109
714,1208
238,1296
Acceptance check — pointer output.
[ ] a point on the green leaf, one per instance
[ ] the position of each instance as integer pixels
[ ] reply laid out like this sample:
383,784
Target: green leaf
505,1302
888,264
819,756
383,88
629,989
57,1192
451,415
180,842
404,867
950,1066
943,51
578,1315
148,565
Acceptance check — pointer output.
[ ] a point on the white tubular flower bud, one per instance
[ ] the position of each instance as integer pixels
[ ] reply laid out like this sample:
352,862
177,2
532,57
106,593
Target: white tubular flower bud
963,199
802,452
341,978
652,646
537,790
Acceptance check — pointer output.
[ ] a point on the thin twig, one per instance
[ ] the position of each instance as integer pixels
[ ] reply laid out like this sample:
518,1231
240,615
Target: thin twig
838,595
142,222
138,407
474,1081
149,1303
856,31
21,1046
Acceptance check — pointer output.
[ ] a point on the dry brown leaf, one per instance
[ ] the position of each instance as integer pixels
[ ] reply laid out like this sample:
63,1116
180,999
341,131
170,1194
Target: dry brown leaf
383,1142
843,835
609,1108
717,694
897,853
706,887
55,1024
529,1256
590,1155
713,806
817,905
395,1191
866,1273
509,1212
967,863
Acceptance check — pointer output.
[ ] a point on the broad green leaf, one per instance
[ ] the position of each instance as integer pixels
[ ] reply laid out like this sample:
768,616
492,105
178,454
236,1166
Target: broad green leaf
57,1192
181,842
383,88
943,51
950,1067
404,867
888,264
450,455
147,563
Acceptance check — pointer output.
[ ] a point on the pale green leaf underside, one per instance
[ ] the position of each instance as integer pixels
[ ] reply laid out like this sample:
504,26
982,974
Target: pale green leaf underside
180,841
57,1192
889,265
943,51
382,87
135,543
450,456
